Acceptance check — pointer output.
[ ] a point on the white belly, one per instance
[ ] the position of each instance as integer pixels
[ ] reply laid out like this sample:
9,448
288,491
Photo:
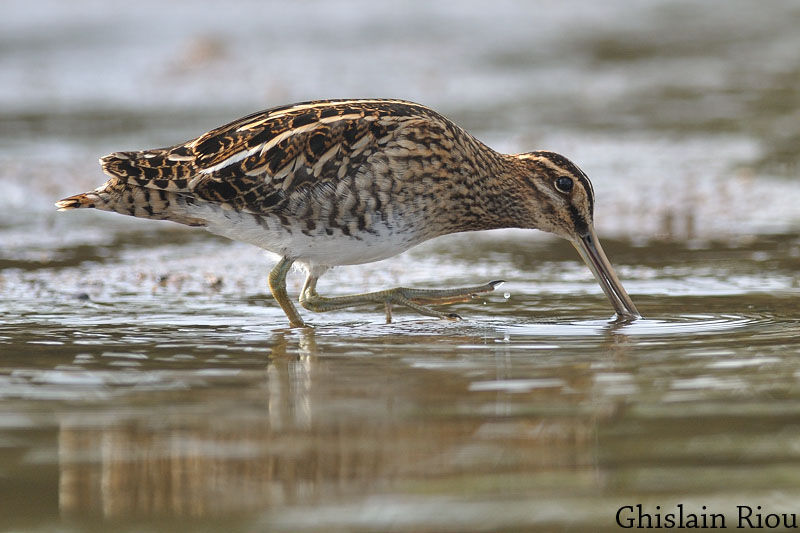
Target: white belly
316,249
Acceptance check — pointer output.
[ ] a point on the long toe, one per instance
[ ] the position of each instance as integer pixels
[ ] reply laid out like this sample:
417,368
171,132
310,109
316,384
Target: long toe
448,296
444,300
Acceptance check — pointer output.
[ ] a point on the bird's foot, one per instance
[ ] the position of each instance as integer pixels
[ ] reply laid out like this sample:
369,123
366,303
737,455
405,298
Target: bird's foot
416,299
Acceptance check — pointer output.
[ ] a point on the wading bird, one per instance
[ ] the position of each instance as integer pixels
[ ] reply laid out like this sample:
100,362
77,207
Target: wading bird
344,182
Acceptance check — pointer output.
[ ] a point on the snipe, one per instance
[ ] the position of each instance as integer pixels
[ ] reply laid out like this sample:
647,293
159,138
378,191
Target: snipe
343,182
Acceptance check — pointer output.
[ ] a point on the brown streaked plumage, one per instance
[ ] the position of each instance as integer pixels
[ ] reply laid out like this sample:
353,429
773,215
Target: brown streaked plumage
338,182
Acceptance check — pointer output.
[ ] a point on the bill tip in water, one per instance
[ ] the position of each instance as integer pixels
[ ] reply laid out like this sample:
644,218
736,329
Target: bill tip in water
626,318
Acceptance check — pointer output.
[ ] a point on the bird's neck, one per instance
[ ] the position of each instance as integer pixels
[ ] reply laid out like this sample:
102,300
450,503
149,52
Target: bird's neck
488,195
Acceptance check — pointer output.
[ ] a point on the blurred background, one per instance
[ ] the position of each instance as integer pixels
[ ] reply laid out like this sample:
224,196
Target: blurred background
685,114
147,381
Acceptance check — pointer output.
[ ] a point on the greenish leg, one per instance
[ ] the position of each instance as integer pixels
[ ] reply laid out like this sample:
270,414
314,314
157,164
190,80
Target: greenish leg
416,299
277,284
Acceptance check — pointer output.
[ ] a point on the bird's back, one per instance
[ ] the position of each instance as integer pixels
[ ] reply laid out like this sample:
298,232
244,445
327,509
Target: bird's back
281,161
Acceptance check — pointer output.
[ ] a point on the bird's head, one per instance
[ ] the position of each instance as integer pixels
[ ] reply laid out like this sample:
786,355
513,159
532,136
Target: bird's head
559,199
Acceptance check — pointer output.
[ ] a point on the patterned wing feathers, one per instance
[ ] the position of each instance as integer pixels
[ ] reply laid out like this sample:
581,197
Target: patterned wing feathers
253,164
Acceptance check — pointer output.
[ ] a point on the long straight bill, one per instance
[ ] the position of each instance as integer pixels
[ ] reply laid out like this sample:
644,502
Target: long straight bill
592,253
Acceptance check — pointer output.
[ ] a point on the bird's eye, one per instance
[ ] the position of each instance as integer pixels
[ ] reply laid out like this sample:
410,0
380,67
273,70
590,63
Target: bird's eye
564,184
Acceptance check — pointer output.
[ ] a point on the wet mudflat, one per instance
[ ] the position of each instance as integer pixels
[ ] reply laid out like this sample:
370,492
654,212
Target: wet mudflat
148,381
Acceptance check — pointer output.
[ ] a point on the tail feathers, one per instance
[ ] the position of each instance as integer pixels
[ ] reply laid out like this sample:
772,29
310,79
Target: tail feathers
169,169
77,201
129,199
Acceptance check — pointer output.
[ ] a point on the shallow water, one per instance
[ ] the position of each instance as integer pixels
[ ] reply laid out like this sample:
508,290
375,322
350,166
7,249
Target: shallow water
149,382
